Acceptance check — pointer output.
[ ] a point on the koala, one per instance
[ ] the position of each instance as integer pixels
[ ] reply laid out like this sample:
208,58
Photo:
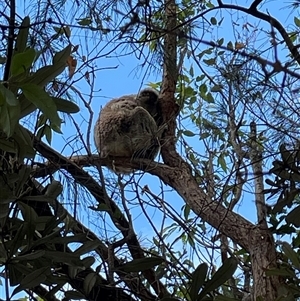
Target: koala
128,126
148,99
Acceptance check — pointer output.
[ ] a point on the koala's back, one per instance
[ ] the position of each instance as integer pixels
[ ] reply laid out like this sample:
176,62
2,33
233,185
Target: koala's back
125,129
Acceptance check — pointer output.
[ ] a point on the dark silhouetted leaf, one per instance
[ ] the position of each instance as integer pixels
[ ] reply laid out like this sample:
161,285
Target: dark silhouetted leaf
198,278
220,277
141,264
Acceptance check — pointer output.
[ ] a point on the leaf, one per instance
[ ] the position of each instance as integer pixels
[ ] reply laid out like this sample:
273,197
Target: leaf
141,264
62,56
188,133
85,21
213,21
222,162
24,143
9,118
291,254
87,247
33,279
8,96
216,88
88,261
65,106
42,101
293,217
67,258
31,256
21,62
280,272
28,213
198,278
54,189
7,145
297,21
186,211
22,36
74,295
220,277
89,282
210,62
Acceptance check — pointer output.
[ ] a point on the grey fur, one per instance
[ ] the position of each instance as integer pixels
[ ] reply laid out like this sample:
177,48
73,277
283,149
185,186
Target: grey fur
127,127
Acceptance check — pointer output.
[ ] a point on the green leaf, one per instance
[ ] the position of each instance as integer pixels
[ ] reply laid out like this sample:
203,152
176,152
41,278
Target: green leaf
31,256
67,258
188,133
24,142
293,217
54,189
42,101
213,21
89,282
198,278
88,261
216,88
28,213
7,145
210,62
61,56
87,247
141,264
186,211
21,62
9,118
297,21
33,279
280,272
22,36
85,22
220,277
230,45
291,254
222,162
74,295
65,106
7,96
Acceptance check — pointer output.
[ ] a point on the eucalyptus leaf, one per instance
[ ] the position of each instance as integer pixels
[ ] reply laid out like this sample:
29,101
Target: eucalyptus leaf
89,282
198,278
65,105
54,189
141,264
7,96
87,246
22,37
9,118
42,101
220,277
291,254
293,217
33,279
61,56
21,62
